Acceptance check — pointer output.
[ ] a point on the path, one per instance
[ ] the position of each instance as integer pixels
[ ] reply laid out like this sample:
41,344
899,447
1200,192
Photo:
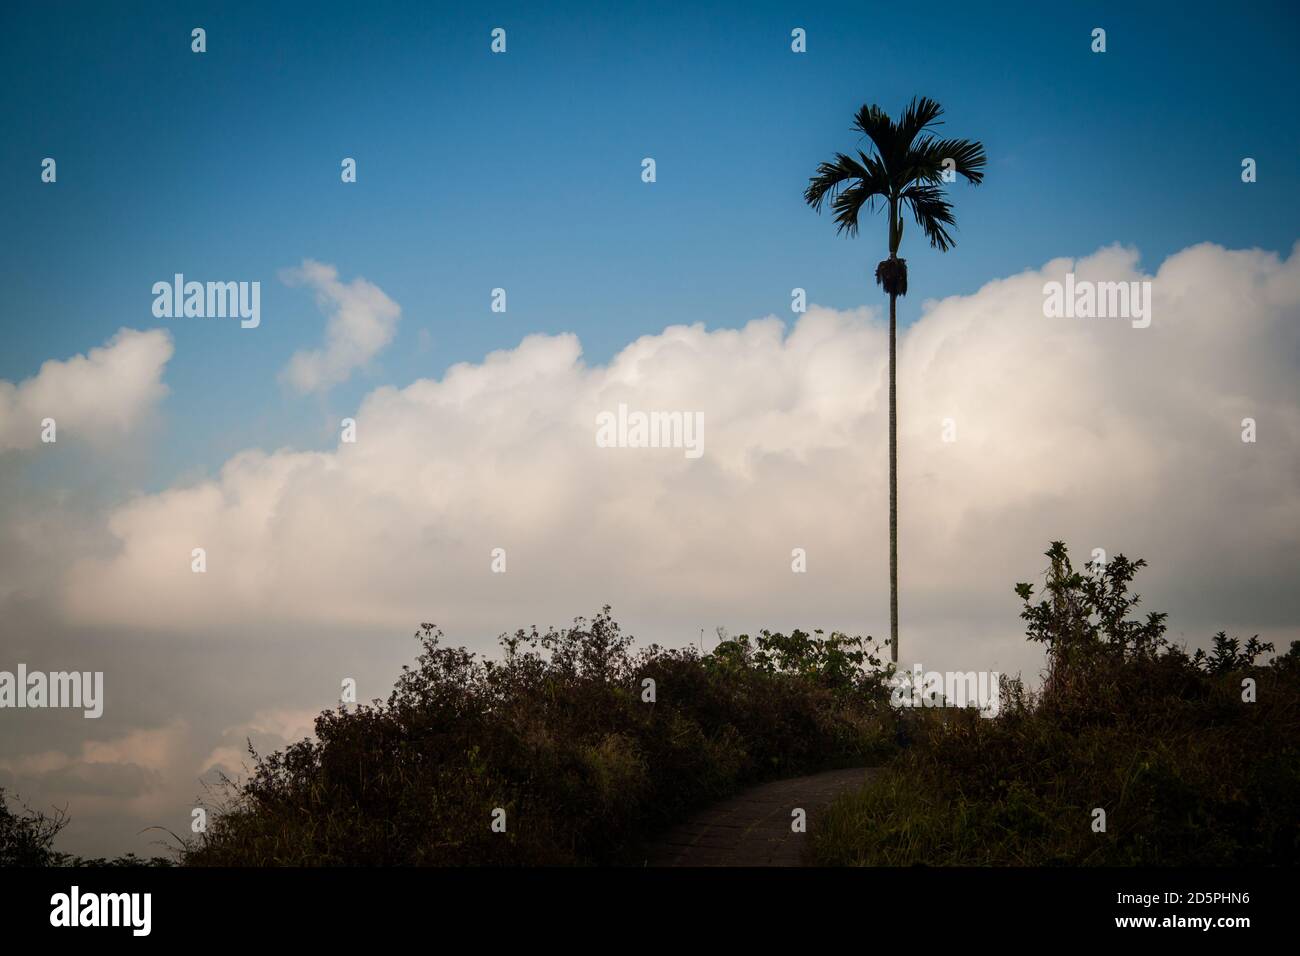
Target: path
753,828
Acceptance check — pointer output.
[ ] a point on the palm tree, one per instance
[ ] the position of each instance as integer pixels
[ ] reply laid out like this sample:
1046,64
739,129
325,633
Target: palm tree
907,166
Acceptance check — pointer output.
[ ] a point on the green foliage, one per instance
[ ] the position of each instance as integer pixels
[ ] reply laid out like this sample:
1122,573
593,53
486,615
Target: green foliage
1229,655
841,664
557,733
1086,612
1186,770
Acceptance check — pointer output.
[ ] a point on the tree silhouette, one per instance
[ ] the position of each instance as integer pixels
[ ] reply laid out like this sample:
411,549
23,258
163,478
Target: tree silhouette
907,166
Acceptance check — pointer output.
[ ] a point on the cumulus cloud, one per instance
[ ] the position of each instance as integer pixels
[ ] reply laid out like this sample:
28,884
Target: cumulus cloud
362,321
97,396
1083,429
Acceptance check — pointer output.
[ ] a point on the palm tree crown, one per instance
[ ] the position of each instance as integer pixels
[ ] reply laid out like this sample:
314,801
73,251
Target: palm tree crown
905,168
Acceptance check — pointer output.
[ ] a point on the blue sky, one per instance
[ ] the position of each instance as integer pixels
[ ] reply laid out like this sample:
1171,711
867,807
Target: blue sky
523,170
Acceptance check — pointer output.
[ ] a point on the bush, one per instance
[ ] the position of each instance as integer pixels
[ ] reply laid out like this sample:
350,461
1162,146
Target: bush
558,733
27,836
1187,772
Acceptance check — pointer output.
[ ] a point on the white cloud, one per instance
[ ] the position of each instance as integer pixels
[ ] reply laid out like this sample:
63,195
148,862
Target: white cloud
1083,429
97,396
362,322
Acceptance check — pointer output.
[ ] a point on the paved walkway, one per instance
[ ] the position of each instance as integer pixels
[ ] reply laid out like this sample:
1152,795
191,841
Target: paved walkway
753,828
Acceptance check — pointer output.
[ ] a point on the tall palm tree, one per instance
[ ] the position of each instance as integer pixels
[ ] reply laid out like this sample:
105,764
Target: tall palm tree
907,166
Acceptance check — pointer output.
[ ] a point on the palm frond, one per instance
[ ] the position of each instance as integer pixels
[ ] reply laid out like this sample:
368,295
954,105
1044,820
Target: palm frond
831,177
932,213
849,184
920,115
926,159
879,128
849,203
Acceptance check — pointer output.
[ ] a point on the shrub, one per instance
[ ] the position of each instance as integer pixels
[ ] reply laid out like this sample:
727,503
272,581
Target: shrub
1186,771
557,734
27,836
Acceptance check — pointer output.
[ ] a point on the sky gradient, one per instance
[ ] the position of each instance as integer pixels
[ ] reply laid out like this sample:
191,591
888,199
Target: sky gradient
523,171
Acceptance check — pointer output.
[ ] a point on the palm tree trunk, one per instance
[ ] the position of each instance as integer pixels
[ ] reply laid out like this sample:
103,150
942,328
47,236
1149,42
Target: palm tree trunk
893,486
